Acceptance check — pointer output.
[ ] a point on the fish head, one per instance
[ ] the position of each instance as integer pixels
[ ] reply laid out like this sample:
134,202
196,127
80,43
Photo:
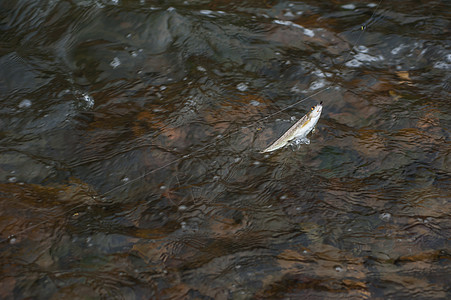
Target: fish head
316,110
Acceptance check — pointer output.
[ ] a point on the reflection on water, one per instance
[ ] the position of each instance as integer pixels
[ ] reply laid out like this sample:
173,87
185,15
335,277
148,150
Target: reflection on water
130,137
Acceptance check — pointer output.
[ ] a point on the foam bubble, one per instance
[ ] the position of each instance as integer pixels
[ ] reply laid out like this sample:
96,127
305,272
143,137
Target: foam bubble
349,6
25,103
242,87
115,62
206,12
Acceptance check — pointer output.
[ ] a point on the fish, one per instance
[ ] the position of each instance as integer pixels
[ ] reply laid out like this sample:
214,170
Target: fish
299,131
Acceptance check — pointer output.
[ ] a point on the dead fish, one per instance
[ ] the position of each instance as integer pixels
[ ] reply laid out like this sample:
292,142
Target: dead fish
298,132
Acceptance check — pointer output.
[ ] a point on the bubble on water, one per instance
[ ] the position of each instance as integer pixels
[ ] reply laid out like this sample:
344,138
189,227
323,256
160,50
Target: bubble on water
88,99
206,12
362,49
162,187
256,163
12,179
183,225
170,8
125,179
385,217
128,35
202,69
255,103
12,240
134,53
349,6
319,73
338,269
25,103
182,208
288,14
283,197
242,87
115,2
115,62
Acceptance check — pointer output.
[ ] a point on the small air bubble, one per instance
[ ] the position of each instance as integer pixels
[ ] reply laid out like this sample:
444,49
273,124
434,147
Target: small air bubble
12,179
12,239
201,69
242,87
25,103
115,63
385,217
182,208
206,12
338,269
362,49
349,6
255,103
89,100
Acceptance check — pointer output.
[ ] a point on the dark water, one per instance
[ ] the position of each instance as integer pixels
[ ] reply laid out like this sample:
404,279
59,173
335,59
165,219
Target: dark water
129,150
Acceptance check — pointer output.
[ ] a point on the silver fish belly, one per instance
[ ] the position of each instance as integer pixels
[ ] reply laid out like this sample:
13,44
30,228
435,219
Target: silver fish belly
299,130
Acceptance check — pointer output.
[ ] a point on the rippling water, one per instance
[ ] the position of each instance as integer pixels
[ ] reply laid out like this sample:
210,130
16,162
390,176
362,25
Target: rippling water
130,134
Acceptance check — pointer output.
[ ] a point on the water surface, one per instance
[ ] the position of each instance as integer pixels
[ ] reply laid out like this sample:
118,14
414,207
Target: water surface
130,134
